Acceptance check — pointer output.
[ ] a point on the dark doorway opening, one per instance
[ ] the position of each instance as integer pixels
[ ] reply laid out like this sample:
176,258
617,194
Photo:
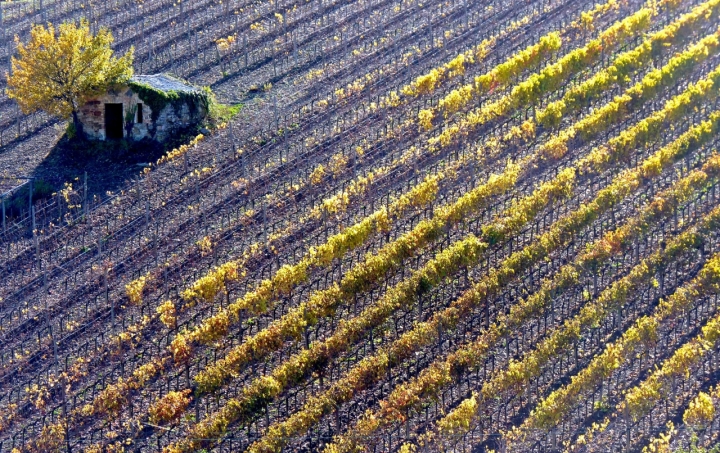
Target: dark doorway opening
114,121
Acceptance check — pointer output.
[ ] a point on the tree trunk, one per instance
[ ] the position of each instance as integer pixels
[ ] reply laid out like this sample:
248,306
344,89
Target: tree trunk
78,125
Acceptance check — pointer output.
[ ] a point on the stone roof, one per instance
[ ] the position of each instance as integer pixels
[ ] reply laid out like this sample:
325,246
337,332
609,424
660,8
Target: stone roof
164,82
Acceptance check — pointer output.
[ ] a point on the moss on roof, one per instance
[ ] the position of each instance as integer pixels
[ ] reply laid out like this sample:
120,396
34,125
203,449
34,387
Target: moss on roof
159,90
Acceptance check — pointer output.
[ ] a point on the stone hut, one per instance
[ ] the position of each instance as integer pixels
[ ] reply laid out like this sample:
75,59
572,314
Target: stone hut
148,106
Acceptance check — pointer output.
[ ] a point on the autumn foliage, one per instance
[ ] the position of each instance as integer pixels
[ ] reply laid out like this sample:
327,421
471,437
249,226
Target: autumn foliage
58,69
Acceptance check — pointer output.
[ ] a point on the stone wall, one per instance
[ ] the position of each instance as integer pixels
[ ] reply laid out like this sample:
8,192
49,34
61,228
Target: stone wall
170,120
92,116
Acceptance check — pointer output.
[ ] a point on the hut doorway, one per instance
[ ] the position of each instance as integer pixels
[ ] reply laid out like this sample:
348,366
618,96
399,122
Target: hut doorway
114,121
